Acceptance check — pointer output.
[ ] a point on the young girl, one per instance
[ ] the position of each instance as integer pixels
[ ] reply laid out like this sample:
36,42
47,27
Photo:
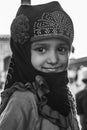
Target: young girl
36,96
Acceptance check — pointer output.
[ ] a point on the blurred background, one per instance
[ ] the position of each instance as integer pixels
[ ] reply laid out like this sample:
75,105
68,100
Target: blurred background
78,59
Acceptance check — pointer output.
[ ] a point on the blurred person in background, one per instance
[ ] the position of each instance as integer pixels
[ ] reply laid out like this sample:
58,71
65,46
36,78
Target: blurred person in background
72,76
81,99
2,81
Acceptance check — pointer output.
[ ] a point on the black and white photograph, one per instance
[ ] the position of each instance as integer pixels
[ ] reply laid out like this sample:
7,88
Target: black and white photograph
43,65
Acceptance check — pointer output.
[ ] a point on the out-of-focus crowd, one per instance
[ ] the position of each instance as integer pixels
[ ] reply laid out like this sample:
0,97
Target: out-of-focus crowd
76,83
78,87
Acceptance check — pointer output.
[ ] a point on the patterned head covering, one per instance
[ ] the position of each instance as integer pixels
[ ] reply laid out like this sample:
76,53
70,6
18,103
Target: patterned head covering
42,22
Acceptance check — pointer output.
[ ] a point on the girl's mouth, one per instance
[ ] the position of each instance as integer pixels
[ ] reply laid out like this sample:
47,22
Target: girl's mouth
50,69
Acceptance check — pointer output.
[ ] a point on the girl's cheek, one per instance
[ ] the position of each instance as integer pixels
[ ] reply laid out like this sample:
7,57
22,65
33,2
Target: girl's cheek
65,61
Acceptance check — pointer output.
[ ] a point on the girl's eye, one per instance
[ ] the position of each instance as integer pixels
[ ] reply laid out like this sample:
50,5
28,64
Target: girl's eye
63,49
41,49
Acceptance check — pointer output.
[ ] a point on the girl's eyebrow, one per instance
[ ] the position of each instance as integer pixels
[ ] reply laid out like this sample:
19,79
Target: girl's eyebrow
64,44
39,44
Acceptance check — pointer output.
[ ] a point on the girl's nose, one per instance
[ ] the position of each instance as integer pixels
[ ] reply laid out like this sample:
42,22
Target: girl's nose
52,57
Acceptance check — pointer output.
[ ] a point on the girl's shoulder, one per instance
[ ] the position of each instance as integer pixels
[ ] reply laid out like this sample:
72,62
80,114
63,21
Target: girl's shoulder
24,99
18,109
18,96
23,96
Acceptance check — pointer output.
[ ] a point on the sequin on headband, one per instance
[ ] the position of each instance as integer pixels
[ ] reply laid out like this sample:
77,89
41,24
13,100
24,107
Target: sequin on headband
56,24
20,29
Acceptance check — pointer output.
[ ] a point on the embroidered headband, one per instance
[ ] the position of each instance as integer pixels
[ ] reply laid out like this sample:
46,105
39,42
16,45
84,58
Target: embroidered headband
42,22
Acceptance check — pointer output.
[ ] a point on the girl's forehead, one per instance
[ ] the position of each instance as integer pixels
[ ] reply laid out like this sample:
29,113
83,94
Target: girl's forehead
50,42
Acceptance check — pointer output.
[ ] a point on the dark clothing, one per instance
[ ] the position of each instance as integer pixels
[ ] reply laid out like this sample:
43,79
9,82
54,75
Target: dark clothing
81,101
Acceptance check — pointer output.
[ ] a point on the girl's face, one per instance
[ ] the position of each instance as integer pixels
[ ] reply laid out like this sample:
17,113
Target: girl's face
50,56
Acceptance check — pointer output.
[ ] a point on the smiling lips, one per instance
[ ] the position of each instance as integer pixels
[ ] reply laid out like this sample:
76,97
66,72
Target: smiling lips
55,69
